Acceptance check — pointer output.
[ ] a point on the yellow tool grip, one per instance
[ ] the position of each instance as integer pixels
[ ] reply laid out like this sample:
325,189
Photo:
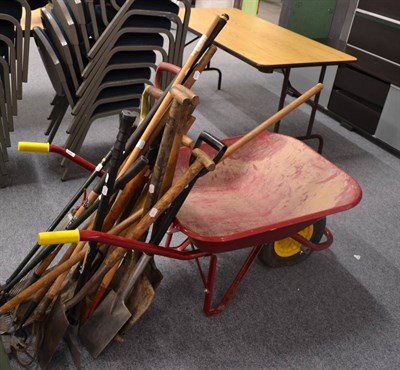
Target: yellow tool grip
28,146
59,237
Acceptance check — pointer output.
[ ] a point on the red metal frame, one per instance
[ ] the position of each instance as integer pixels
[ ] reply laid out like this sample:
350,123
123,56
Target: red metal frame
204,245
180,252
315,247
66,153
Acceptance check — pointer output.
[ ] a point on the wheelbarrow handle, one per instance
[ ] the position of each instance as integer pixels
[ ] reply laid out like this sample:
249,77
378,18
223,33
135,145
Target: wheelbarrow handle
29,146
125,243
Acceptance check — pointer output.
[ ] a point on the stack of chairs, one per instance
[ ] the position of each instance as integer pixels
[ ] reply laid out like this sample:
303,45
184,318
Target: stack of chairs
14,54
99,56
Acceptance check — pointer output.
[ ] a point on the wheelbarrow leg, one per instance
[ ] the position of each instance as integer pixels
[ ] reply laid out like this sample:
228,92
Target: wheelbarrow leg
209,286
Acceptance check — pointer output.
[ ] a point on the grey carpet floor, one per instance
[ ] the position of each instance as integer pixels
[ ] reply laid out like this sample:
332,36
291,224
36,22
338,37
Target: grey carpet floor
337,310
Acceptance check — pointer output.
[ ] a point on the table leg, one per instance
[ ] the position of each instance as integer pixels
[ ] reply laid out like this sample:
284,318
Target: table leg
315,103
314,107
284,91
209,68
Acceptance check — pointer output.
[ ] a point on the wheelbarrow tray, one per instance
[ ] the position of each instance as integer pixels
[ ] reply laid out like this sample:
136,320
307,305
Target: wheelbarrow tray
266,191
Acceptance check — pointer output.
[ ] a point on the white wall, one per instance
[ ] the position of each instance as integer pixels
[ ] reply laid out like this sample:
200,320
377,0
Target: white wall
214,3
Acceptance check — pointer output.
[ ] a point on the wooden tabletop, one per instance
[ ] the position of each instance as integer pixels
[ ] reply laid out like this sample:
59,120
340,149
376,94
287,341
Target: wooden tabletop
265,45
35,19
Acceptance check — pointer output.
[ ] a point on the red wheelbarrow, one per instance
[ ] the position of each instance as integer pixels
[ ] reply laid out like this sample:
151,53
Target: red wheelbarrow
271,196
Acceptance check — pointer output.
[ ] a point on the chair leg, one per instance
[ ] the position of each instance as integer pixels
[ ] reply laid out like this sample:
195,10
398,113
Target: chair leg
4,180
8,97
4,116
56,116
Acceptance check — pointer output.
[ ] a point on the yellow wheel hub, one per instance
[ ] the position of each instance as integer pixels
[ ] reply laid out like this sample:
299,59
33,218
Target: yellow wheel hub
289,247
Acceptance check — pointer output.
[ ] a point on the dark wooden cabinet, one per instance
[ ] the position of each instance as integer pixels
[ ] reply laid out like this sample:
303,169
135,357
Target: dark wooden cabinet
365,87
376,36
385,8
360,90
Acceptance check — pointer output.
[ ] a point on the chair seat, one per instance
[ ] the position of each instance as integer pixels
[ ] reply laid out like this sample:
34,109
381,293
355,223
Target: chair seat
148,21
157,5
12,8
120,91
140,39
127,74
116,106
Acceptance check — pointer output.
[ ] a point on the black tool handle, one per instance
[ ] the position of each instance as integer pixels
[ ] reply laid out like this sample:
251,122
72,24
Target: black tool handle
127,119
213,142
161,226
125,124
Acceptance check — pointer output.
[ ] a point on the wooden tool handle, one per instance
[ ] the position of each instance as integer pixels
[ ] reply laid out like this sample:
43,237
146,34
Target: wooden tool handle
184,95
155,92
118,229
187,141
47,261
55,288
167,100
273,119
204,158
45,280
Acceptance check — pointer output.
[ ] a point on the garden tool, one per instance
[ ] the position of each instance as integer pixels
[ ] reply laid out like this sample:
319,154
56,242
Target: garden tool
51,338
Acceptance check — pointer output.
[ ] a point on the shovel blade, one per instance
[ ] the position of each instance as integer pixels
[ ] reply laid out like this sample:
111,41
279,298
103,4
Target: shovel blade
54,329
101,327
6,324
71,338
138,302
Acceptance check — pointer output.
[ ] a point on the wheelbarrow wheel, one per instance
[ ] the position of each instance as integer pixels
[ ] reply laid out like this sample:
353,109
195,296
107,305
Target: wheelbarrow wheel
288,252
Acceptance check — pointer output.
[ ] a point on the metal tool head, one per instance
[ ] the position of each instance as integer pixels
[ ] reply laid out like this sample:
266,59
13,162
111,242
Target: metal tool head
54,329
100,328
139,301
6,323
71,338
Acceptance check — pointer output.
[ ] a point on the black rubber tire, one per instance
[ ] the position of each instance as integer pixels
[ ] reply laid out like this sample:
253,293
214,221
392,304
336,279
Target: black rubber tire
269,257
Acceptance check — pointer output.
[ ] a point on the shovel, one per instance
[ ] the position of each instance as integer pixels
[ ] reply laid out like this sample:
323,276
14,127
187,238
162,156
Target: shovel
112,313
70,323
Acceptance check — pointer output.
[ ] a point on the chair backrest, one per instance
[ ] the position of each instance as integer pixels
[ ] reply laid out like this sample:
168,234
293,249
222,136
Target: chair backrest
10,27
13,8
151,14
35,4
77,11
58,40
53,65
70,29
92,13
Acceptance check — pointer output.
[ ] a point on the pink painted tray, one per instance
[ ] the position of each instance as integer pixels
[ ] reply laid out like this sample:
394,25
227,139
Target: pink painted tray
268,190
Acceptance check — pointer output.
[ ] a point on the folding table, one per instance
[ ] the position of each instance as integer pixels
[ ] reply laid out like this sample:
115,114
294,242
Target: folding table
268,47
